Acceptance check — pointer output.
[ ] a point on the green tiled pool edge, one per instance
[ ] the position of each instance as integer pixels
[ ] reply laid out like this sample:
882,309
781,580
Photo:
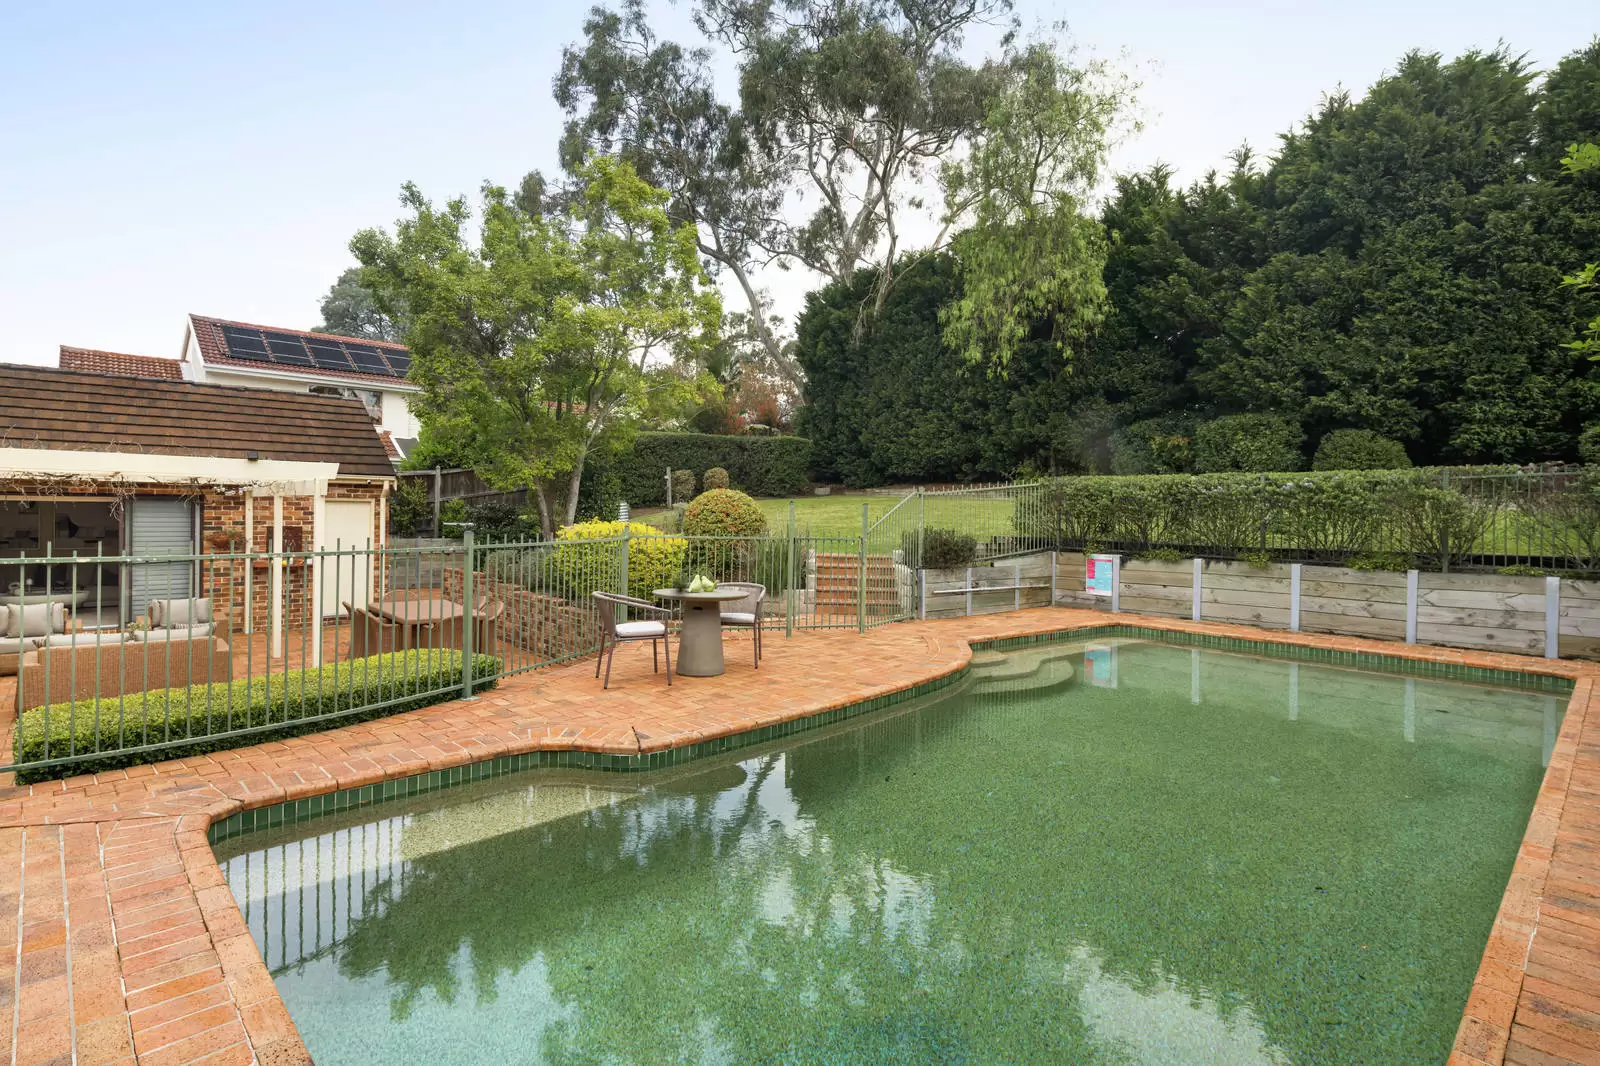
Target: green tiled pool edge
292,811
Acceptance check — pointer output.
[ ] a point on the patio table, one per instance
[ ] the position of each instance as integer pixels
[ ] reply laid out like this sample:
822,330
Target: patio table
700,642
418,615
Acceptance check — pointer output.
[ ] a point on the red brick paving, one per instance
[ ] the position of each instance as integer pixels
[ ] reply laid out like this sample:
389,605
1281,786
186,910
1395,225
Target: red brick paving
129,946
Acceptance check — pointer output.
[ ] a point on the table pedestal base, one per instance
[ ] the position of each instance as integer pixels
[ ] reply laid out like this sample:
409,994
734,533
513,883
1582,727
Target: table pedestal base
700,641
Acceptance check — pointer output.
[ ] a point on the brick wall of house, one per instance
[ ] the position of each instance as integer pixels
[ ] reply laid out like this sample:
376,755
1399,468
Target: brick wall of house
222,513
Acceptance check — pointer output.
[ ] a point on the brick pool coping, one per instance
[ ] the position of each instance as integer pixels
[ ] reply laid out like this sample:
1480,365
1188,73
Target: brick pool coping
129,945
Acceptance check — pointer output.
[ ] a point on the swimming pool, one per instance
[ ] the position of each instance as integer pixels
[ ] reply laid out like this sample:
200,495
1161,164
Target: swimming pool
1121,852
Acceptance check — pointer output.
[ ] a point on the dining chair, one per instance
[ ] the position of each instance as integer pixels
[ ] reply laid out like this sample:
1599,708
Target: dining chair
372,635
613,632
745,612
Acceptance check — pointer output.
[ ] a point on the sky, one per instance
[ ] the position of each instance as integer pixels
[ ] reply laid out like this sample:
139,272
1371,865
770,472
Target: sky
163,158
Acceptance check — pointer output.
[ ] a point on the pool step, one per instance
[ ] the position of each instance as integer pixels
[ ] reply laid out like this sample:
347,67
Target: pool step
1029,671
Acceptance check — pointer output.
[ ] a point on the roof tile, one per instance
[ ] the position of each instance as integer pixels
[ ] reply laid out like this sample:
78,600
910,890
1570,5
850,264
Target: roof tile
120,364
70,410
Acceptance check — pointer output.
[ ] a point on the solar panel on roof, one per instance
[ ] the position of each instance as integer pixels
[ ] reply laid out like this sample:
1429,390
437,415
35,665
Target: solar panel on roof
399,360
290,352
329,356
367,358
244,343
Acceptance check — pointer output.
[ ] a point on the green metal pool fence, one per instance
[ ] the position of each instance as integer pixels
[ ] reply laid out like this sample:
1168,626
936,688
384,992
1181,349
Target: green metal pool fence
129,658
118,656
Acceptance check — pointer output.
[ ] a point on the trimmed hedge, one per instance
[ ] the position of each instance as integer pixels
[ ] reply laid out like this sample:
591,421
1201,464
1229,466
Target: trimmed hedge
760,466
1262,443
724,513
1359,449
1334,515
940,549
715,478
581,567
185,720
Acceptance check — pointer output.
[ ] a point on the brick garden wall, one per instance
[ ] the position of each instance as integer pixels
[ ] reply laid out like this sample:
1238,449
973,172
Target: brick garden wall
545,626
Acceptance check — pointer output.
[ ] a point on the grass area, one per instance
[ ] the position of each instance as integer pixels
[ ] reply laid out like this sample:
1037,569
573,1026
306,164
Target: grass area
840,516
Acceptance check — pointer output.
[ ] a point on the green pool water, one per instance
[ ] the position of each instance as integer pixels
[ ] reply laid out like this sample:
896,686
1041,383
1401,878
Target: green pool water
1125,853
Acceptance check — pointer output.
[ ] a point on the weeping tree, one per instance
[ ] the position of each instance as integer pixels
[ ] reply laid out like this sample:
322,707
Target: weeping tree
561,326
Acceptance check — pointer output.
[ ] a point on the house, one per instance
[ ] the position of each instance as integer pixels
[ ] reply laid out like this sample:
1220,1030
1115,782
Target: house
221,351
120,364
108,464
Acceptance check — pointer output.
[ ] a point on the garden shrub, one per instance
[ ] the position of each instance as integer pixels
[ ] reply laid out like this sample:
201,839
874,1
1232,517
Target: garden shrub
1359,449
410,508
1161,555
289,703
682,486
715,478
1373,561
587,558
940,549
1589,444
761,466
1253,443
1439,525
724,513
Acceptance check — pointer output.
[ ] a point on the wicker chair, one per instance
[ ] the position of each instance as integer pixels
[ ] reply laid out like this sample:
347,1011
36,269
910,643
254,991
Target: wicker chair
745,613
613,632
371,635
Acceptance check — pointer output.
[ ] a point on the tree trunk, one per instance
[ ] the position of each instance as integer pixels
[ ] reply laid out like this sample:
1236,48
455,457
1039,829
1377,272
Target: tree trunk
781,360
547,523
573,483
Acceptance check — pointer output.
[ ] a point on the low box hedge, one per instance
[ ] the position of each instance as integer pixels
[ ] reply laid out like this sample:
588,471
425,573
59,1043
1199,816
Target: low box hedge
185,721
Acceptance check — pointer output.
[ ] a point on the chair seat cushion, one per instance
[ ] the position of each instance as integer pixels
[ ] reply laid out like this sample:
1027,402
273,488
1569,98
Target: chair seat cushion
738,618
641,629
15,645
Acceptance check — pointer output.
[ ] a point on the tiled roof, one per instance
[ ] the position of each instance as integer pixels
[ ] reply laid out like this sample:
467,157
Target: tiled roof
69,410
120,364
208,332
389,445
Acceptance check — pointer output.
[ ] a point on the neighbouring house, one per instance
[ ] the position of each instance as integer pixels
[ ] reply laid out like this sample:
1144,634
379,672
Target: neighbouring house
220,351
102,464
119,364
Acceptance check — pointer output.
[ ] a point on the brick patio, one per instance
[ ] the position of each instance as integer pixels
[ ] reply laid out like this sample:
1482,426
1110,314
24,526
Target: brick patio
129,946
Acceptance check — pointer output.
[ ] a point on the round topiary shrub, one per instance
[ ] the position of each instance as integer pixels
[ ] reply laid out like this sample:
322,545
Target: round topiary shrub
715,478
682,486
1589,444
1252,443
1359,449
724,513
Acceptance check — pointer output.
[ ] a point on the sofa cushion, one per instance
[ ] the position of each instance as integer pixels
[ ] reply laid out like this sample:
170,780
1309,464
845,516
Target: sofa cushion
15,645
169,614
34,619
174,633
92,638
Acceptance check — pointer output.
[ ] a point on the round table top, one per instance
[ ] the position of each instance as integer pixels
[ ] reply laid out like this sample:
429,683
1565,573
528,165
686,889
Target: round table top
714,594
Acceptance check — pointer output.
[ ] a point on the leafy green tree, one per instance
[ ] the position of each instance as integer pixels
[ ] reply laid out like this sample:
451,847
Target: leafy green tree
351,310
1254,443
550,335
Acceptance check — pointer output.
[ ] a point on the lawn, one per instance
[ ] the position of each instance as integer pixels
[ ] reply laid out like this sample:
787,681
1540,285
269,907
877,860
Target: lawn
840,516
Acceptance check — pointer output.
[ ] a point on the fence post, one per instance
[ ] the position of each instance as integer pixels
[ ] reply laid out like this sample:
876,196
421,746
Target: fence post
1116,583
922,515
469,615
627,542
861,590
1294,597
789,573
1552,618
1411,606
1194,610
438,490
